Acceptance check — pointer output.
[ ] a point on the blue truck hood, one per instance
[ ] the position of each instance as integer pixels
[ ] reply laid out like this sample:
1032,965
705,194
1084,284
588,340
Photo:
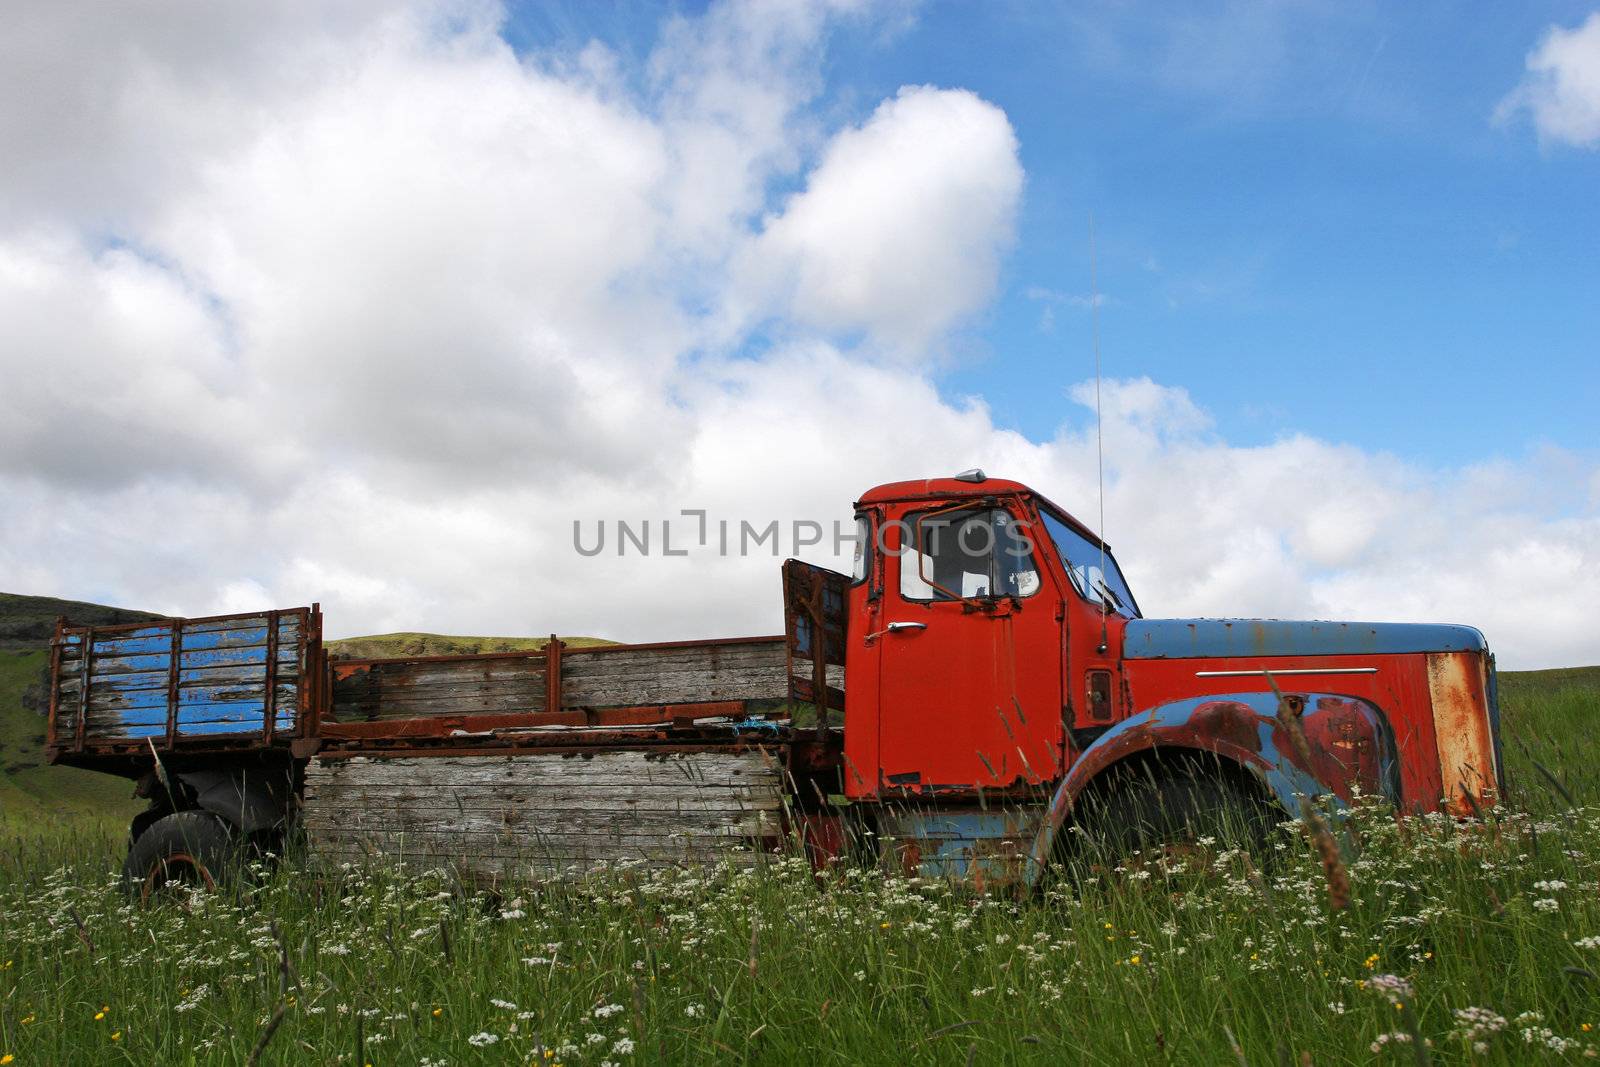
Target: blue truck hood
1190,638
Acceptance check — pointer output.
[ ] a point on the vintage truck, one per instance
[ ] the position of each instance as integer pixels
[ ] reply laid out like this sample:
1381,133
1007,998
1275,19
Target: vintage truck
982,681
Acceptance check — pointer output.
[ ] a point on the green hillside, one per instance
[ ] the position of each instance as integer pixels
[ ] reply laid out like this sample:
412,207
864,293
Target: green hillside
32,793
35,794
390,646
28,622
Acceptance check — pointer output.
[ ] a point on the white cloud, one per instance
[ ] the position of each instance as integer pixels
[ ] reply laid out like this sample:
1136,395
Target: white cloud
1561,91
390,306
901,226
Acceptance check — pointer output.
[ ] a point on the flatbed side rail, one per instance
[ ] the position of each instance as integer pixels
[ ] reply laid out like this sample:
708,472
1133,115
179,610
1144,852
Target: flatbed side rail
674,686
224,683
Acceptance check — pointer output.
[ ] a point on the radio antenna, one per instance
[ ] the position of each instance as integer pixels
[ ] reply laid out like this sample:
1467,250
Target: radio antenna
1099,420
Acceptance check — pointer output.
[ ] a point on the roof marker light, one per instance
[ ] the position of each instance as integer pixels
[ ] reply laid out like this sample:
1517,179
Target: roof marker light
973,475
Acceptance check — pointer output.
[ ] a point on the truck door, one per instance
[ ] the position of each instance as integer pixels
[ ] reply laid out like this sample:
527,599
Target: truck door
969,655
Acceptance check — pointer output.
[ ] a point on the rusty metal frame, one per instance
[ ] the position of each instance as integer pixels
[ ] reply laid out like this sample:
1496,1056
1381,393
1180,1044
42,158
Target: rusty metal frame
174,671
552,675
672,717
269,696
85,657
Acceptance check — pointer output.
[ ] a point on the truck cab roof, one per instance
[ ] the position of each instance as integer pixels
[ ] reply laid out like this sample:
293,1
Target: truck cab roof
970,484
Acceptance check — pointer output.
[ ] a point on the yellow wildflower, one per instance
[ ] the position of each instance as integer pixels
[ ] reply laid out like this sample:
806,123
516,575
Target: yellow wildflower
101,1014
116,1035
1134,960
1372,961
437,1012
7,1058
28,1019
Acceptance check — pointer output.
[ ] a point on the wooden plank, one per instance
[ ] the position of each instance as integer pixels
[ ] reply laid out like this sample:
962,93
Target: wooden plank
592,792
675,675
620,768
494,867
538,824
544,810
407,689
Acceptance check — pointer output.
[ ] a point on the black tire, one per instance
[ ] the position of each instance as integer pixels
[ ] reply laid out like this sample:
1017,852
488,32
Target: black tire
184,848
1163,812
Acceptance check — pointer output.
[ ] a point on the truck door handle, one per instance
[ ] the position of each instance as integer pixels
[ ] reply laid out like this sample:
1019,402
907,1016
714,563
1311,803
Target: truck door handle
896,627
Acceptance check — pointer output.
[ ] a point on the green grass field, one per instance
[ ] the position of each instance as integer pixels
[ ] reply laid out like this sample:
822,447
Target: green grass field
1460,945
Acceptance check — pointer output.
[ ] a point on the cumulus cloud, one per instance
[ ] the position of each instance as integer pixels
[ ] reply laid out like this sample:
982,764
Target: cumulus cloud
369,308
1561,91
899,231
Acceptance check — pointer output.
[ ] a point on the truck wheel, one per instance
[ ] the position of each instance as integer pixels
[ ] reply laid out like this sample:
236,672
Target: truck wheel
1170,818
192,848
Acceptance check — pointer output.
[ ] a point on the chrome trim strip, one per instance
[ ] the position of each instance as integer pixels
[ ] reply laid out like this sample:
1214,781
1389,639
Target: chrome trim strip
1287,670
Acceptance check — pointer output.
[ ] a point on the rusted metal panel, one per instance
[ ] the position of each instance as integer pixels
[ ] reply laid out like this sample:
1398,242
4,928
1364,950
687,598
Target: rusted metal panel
1351,741
1205,638
670,717
545,813
180,682
987,848
816,620
1457,684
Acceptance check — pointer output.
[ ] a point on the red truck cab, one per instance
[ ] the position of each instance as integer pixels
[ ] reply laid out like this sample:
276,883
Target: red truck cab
995,651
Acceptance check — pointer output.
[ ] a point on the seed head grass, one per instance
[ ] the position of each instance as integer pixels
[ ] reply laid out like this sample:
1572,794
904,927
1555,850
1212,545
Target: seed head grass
1460,942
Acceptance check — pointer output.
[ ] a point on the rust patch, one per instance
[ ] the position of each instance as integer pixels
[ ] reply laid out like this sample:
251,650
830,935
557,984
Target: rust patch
1461,728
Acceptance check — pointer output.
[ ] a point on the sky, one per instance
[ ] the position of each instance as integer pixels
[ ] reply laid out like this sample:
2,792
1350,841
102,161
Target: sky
371,304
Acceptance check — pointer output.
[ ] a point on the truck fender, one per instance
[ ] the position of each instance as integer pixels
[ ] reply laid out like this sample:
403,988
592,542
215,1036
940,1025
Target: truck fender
1352,746
249,799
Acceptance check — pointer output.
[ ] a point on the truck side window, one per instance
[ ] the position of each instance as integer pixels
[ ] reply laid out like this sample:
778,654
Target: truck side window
861,565
966,553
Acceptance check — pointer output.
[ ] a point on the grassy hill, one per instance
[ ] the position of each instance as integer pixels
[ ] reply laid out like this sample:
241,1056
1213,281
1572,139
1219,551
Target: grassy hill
388,646
33,793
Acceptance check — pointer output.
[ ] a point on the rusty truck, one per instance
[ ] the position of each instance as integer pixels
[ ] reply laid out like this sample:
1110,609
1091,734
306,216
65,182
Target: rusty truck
981,682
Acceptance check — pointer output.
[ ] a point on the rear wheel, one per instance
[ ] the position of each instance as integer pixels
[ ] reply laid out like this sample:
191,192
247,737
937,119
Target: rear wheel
186,848
1171,820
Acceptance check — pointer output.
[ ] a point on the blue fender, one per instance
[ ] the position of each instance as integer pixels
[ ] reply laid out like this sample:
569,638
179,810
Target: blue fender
1351,741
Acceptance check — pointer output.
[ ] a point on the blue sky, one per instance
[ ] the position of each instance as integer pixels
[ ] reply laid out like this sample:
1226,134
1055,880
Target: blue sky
1306,213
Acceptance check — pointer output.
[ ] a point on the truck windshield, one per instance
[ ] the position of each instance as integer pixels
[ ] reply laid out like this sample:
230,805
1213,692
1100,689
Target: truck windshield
1082,558
966,553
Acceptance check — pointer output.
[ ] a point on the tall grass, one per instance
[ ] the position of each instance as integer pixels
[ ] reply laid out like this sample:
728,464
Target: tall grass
1475,943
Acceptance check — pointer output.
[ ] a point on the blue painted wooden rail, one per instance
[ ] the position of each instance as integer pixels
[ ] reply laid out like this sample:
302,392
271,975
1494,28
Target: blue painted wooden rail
181,680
